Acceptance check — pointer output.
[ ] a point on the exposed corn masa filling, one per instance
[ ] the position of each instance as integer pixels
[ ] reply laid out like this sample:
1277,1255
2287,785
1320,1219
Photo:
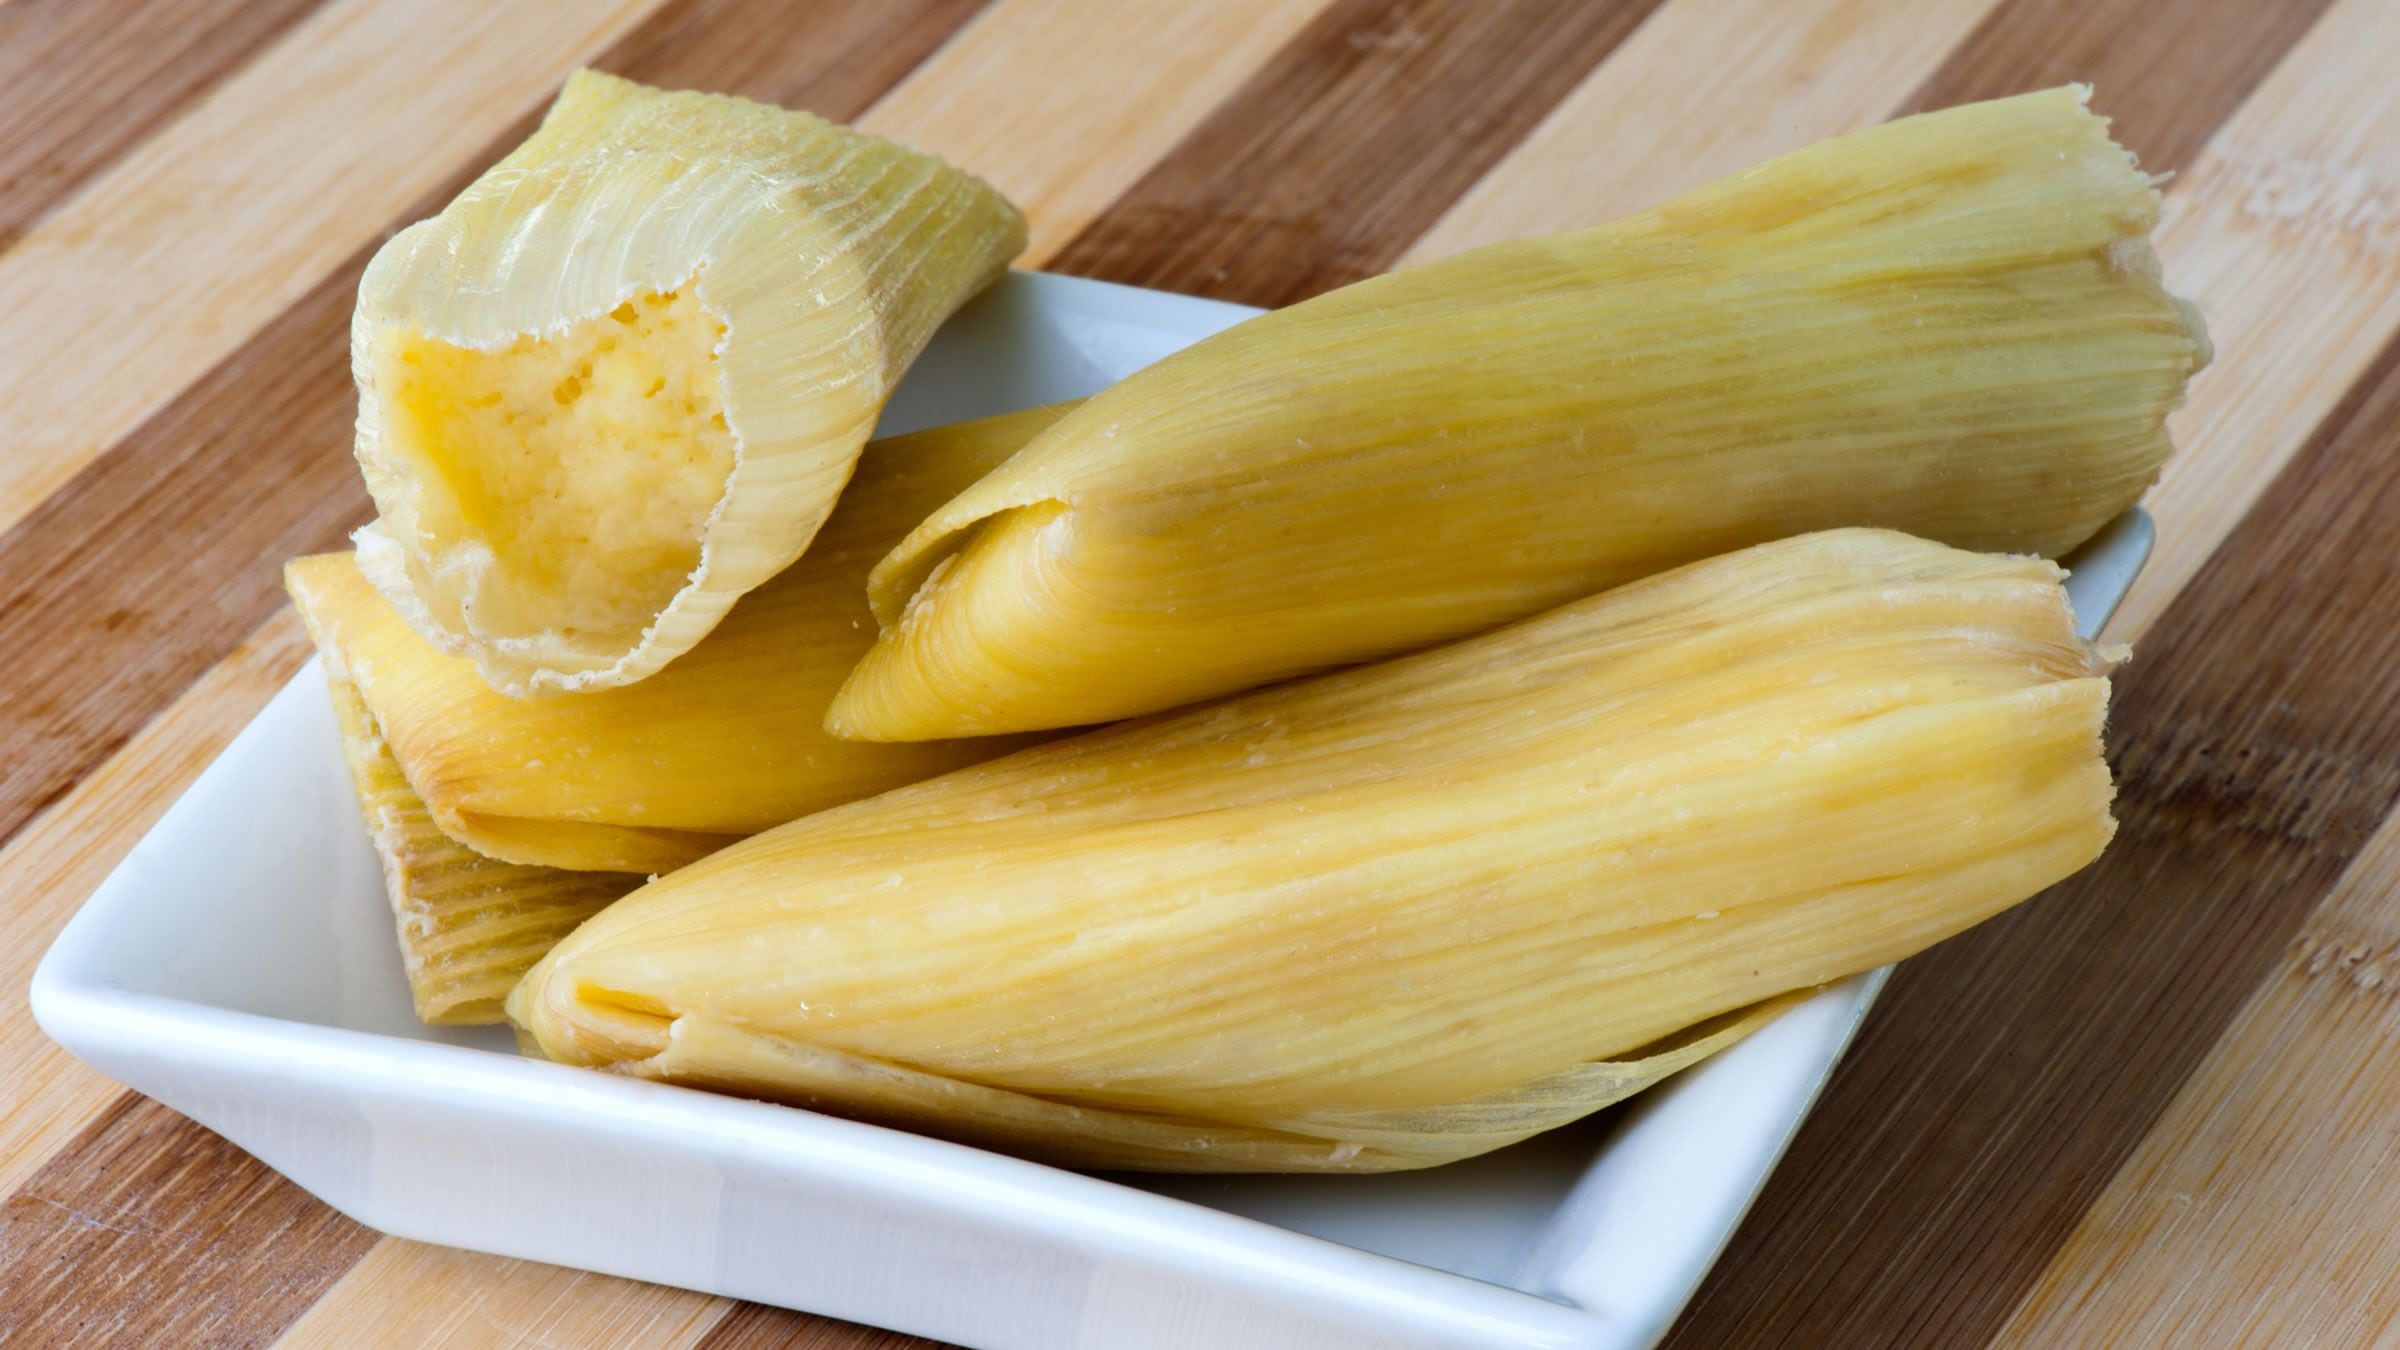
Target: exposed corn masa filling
585,462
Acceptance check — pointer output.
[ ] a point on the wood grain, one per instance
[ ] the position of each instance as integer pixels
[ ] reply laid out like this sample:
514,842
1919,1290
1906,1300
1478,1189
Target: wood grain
1346,146
121,589
2008,1073
493,1301
151,1231
1063,149
2199,1237
2166,73
47,870
846,56
2287,232
1630,136
754,1326
169,260
86,80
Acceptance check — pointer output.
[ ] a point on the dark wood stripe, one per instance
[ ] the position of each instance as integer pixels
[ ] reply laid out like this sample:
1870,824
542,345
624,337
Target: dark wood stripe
2168,72
147,568
149,1230
143,571
83,81
754,1326
832,57
1348,145
2008,1073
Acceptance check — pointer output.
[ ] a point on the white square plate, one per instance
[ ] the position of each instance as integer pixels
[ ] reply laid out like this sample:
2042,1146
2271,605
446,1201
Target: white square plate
239,966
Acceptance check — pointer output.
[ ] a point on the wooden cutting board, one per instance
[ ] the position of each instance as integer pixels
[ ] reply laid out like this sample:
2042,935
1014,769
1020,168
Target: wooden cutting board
2159,1105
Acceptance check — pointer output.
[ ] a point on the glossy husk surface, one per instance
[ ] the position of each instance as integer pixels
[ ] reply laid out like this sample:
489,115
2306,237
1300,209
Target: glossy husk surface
1386,904
1950,325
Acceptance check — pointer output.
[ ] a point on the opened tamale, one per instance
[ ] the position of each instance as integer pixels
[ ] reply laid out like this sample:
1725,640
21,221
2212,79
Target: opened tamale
620,380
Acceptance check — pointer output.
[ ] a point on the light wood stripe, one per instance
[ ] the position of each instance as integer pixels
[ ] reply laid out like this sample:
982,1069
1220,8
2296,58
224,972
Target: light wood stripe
84,80
2007,1072
119,591
489,1300
2258,1209
2287,231
48,869
204,232
1648,123
1329,162
1065,148
152,1231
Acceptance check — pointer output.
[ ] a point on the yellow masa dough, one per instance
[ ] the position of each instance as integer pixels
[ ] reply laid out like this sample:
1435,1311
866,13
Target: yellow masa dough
587,462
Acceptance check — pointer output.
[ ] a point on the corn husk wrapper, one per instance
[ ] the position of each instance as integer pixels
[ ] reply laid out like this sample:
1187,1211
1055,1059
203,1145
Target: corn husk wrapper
1951,325
619,382
469,926
1378,909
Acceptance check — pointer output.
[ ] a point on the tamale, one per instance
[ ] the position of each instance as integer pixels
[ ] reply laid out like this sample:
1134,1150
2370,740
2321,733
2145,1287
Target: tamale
1384,908
725,742
470,926
620,380
1951,325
